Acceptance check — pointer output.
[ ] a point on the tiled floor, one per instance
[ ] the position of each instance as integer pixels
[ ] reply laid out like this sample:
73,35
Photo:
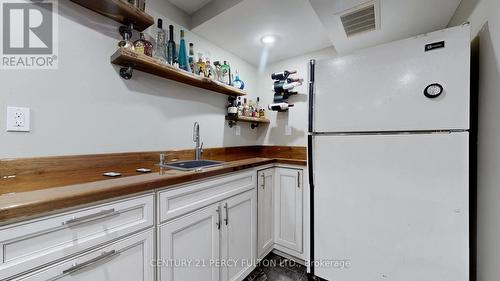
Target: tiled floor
276,268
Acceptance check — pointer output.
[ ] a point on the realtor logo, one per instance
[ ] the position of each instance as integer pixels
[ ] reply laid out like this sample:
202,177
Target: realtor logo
29,34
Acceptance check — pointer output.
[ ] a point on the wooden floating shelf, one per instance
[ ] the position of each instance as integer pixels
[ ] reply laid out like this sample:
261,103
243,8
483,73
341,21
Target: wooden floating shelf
248,119
120,11
126,58
253,120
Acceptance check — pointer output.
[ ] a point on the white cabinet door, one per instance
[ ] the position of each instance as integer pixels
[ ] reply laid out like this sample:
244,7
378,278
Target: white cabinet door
189,245
265,211
288,201
239,236
126,260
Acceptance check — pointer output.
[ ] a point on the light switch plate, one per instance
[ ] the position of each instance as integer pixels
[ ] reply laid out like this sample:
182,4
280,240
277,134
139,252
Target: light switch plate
18,119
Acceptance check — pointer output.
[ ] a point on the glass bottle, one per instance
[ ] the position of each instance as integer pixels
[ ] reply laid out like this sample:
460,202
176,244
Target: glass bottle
262,113
245,107
209,69
159,51
143,46
257,108
200,65
240,107
126,43
238,83
171,52
183,60
191,60
225,73
232,108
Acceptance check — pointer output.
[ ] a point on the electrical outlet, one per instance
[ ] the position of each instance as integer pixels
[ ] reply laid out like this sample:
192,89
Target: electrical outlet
18,119
288,130
238,130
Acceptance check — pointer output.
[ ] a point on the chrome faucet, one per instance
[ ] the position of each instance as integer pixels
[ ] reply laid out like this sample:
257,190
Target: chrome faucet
196,138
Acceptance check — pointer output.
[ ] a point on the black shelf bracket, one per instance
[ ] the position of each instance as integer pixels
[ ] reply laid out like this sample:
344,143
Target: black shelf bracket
127,72
233,123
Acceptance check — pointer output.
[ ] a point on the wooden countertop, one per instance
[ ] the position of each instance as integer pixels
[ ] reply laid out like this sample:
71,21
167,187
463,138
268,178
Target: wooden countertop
32,199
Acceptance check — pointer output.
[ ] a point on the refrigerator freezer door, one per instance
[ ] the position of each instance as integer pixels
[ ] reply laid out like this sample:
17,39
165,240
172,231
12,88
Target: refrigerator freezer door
395,207
382,88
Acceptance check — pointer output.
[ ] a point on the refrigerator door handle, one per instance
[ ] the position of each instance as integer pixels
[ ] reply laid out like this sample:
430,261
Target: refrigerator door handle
312,64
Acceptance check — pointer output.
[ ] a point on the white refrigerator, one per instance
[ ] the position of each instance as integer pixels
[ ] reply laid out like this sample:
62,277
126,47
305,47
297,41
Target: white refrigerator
389,161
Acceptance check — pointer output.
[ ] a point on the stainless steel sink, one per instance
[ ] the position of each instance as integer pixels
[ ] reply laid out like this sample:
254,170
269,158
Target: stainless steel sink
192,165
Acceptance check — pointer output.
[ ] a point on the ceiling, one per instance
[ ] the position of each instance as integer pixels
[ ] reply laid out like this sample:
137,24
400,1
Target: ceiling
303,26
240,28
399,19
190,6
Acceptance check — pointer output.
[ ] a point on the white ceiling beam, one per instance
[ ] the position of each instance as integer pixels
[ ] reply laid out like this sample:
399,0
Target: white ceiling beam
211,10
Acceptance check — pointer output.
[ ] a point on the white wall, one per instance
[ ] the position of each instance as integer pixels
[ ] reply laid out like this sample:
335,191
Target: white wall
296,117
484,16
86,107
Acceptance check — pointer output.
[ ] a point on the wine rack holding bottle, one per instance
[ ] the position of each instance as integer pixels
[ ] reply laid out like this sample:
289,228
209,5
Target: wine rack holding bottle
283,88
131,60
120,11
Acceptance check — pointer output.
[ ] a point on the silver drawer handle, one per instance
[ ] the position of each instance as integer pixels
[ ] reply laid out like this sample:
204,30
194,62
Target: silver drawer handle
89,263
101,214
218,217
263,181
298,179
226,220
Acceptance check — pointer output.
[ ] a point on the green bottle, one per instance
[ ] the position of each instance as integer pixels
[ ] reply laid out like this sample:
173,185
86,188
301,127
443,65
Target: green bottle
226,73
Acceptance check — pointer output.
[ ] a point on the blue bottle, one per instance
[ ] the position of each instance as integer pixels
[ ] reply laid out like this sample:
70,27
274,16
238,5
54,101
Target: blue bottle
183,58
238,83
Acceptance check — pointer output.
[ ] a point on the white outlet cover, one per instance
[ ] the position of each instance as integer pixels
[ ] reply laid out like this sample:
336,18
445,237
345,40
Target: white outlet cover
18,119
238,130
288,130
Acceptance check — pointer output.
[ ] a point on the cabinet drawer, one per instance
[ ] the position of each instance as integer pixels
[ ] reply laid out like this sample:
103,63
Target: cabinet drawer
27,245
125,260
182,200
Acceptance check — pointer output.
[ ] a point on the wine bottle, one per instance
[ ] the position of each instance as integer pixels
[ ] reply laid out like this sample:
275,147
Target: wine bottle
171,53
282,75
232,109
159,51
291,80
282,86
280,107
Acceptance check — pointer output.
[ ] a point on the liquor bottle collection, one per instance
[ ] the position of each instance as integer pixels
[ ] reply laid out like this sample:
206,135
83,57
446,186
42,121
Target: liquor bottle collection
283,88
247,108
167,51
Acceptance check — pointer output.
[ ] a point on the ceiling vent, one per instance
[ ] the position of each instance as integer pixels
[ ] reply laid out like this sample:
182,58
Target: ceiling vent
361,19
